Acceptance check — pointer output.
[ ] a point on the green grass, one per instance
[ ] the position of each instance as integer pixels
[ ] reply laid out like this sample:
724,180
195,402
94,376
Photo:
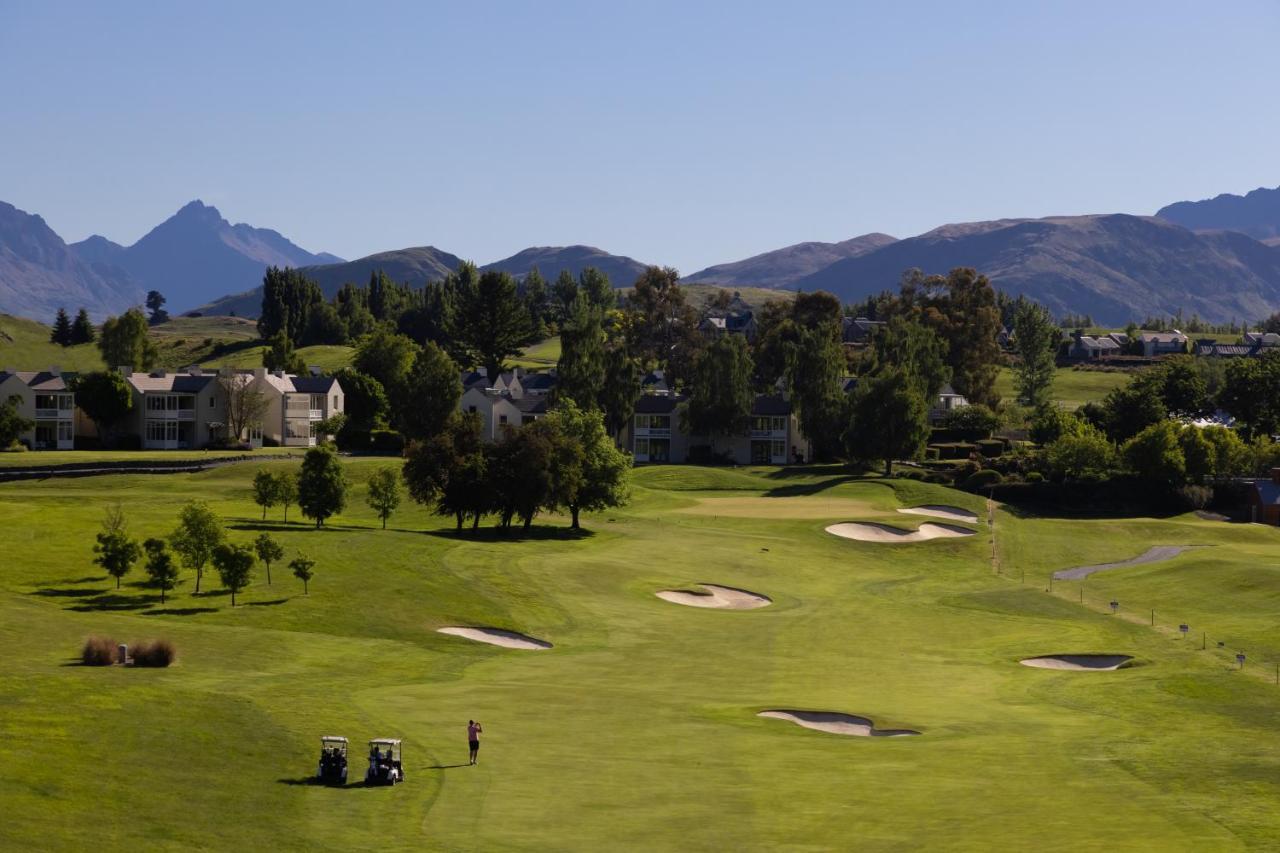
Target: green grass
19,459
327,356
24,345
1072,388
638,730
540,356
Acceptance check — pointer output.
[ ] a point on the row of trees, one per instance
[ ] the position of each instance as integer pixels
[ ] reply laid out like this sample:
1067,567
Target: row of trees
67,332
198,541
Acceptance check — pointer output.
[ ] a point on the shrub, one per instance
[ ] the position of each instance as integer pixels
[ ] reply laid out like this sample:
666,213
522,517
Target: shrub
1035,477
990,447
98,651
982,480
386,441
153,653
931,454
976,421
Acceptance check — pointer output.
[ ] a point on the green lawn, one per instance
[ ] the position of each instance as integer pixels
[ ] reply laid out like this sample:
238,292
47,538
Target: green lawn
1072,388
9,459
540,356
639,729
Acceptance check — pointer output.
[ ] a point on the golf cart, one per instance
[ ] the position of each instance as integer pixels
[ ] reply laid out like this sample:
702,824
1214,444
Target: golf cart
384,762
333,760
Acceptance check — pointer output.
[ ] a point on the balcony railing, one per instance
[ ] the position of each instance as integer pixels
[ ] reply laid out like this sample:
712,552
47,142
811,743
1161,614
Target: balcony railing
172,415
655,432
317,414
768,433
53,414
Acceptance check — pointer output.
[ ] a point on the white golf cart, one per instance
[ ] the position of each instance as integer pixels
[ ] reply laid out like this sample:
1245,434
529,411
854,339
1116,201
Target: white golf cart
332,769
385,766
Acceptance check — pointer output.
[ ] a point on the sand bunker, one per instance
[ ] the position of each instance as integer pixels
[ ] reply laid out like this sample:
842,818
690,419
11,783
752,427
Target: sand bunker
716,596
836,723
497,637
1151,555
953,513
866,531
798,506
1078,663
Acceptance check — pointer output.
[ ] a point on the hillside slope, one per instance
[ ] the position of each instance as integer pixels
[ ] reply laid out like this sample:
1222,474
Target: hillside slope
1115,267
781,268
551,260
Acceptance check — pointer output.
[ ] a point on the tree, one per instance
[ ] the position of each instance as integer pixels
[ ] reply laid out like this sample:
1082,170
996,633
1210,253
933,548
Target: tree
1155,454
1082,454
720,398
155,304
889,420
564,291
288,298
324,326
197,534
265,491
537,300
279,354
662,328
61,334
1251,392
1231,456
595,285
246,404
432,389
116,553
12,425
303,569
105,398
448,469
580,371
1051,422
1036,338
322,488
286,491
915,349
364,401
82,329
519,473
1183,388
590,472
621,388
161,566
384,493
491,324
124,342
235,567
1134,407
387,356
268,551
961,308
1198,453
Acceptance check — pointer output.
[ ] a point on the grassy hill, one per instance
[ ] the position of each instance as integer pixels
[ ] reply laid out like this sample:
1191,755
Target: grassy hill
1071,388
641,723
24,345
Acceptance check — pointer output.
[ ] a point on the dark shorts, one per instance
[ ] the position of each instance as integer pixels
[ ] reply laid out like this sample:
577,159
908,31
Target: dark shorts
475,744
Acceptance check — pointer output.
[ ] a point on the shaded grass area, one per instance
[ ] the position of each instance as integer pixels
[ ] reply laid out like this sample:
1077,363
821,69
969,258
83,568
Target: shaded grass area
1071,388
640,724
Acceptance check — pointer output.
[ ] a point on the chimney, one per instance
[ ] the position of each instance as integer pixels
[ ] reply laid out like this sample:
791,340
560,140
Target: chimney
158,374
315,369
279,374
55,370
259,373
194,370
1275,475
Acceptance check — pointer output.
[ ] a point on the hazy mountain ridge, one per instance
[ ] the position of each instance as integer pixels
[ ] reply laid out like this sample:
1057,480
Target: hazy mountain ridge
1255,213
782,268
551,260
1115,267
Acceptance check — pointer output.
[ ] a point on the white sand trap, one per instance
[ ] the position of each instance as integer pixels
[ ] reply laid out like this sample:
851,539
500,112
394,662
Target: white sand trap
1151,555
497,637
836,723
716,596
867,531
1079,663
954,513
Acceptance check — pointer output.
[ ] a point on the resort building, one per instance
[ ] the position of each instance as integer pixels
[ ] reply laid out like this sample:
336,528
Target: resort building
45,399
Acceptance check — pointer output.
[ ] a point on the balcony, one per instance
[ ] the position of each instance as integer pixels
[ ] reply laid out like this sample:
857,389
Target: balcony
664,432
317,414
53,414
768,433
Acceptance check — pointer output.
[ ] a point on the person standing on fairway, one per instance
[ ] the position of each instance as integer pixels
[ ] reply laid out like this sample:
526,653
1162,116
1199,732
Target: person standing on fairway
473,738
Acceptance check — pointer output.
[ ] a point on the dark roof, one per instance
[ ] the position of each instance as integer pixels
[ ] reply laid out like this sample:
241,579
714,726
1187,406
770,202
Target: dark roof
855,329
657,404
538,381
313,384
770,404
180,383
41,380
1268,492
531,405
1228,350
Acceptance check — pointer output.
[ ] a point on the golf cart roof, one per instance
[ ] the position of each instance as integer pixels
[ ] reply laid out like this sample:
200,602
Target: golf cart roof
385,740
333,739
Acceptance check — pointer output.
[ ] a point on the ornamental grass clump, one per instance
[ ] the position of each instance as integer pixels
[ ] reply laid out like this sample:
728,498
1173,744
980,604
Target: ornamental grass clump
153,653
98,651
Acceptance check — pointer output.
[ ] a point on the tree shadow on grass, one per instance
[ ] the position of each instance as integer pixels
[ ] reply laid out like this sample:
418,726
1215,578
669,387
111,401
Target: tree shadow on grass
116,602
88,579
447,766
270,603
791,471
514,534
281,527
803,489
49,592
179,611
211,593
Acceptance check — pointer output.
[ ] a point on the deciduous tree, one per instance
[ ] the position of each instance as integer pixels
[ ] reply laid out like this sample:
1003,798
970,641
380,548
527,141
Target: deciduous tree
245,404
889,419
268,550
199,531
286,491
105,398
124,341
303,569
161,567
235,567
720,396
264,490
1036,339
384,493
322,487
12,424
116,553
589,472
432,388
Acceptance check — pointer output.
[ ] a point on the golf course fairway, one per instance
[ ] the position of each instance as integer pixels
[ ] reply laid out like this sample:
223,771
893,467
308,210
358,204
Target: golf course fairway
640,729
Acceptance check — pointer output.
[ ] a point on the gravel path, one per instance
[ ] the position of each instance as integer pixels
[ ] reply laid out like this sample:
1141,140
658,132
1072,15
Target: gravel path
1151,555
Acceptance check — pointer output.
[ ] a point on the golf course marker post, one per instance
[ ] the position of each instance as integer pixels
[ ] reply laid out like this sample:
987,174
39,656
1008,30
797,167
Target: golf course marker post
1153,617
1240,659
1115,606
1184,628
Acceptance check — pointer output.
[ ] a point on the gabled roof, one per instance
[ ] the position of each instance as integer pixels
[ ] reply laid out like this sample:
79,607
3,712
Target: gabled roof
657,404
314,384
770,404
1266,339
948,391
531,405
1090,342
1163,337
1268,492
39,380
174,383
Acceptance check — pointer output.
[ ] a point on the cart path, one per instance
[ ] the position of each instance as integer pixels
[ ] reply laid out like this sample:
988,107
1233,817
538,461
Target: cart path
1156,554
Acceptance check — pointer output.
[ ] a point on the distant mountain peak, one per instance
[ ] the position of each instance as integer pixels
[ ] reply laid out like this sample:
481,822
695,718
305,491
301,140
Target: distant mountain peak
1256,213
782,268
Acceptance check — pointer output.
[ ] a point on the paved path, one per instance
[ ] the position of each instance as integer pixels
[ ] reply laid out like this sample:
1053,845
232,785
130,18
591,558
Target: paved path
1151,555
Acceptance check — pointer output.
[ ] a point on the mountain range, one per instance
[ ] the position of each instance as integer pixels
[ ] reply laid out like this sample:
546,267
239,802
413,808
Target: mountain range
1205,257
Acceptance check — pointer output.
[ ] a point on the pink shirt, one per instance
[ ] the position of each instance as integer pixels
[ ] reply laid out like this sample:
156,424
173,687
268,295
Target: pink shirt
473,732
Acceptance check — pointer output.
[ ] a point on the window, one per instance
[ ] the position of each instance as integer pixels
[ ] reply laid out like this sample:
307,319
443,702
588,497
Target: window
502,419
66,402
642,447
660,450
642,421
311,429
317,401
213,402
336,405
779,449
528,419
471,409
66,431
659,422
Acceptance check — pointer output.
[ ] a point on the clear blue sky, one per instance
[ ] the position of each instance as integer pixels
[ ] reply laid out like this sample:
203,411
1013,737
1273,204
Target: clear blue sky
681,133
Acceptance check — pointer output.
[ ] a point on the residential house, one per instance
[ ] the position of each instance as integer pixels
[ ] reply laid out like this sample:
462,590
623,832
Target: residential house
45,399
175,410
858,330
1004,338
772,437
1162,343
1264,500
733,322
296,406
1090,347
1262,339
947,401
1209,348
513,398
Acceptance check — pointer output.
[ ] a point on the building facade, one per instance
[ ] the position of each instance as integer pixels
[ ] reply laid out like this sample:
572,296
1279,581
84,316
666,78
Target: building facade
45,399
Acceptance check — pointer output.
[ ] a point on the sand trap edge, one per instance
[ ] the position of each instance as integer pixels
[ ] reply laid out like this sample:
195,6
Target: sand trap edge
719,597
496,637
1080,662
888,534
947,511
834,722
